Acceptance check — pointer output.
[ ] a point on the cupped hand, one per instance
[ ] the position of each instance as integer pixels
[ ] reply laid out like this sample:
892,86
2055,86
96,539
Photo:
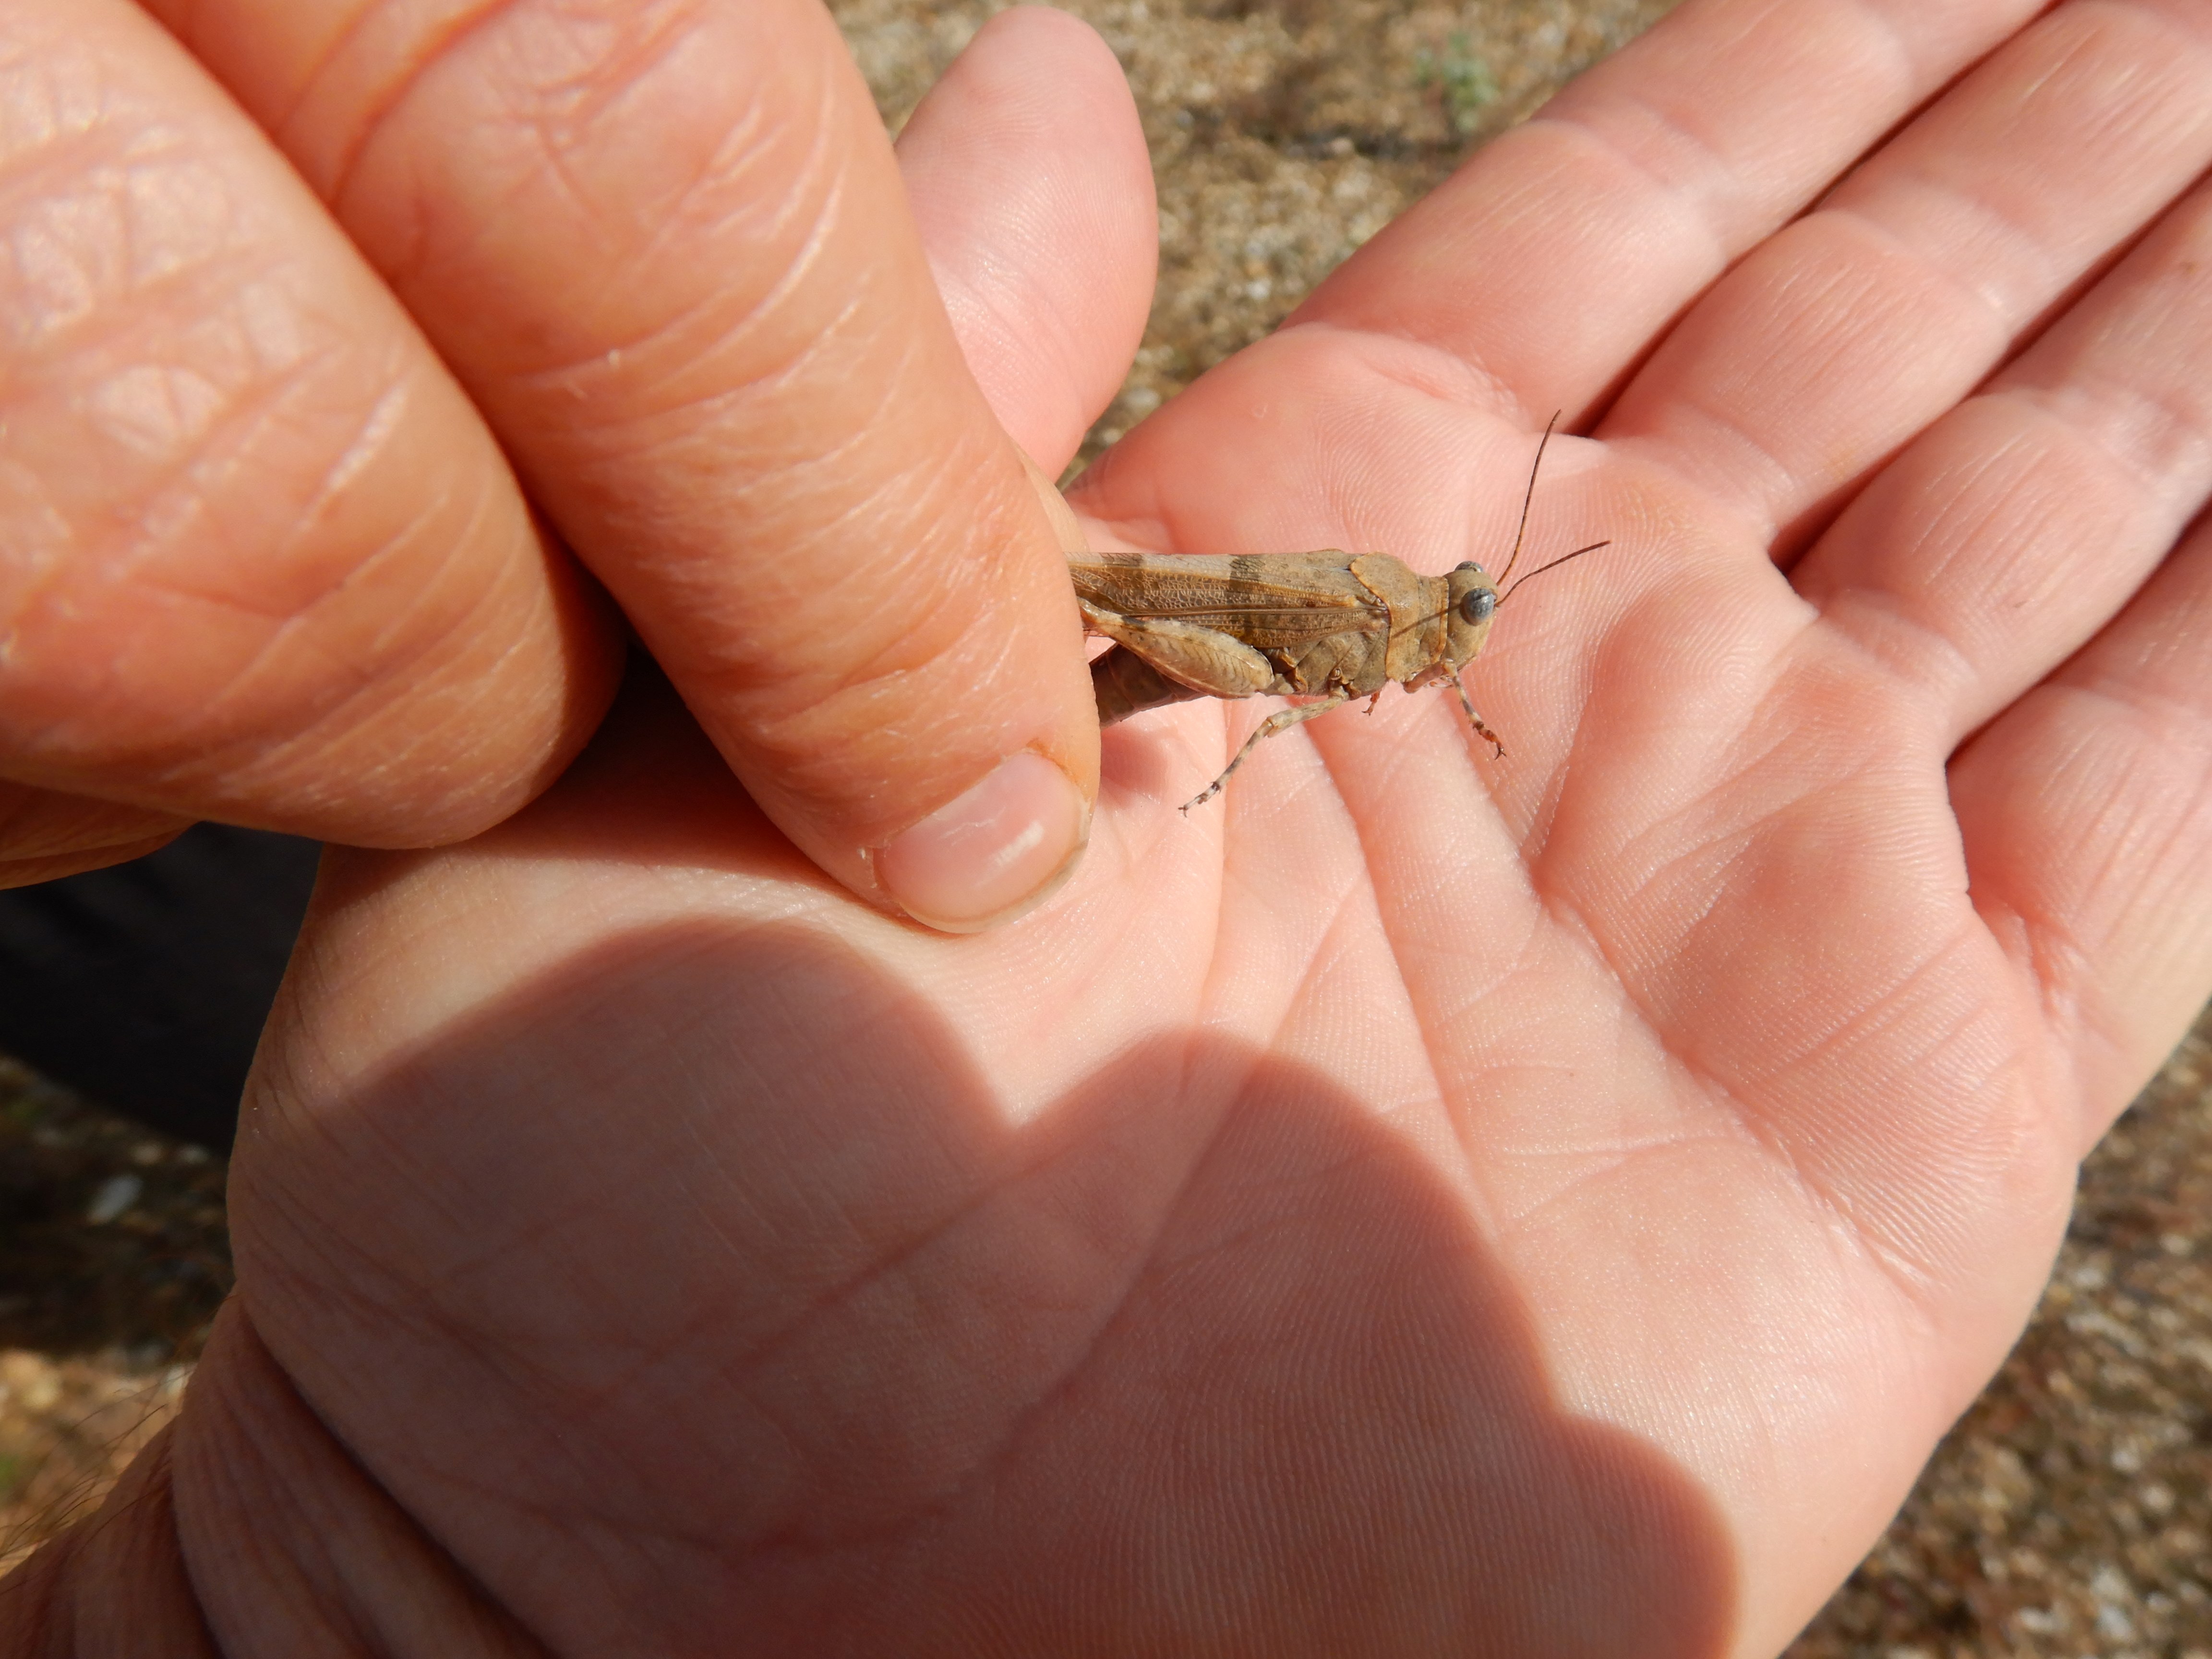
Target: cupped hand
310,402
1423,1202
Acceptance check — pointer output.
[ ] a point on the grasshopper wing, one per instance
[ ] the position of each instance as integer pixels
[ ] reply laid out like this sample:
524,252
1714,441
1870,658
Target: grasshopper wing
1263,601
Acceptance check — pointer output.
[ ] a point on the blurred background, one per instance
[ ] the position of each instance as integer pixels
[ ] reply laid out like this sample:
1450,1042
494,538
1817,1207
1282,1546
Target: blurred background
2069,1515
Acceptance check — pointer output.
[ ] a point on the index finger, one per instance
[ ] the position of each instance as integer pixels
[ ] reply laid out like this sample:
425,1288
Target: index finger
668,252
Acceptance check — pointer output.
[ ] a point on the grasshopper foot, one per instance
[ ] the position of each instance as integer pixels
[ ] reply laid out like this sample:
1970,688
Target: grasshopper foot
1281,721
1496,743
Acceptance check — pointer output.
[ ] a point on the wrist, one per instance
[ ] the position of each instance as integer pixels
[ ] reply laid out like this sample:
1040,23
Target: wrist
246,1529
112,1584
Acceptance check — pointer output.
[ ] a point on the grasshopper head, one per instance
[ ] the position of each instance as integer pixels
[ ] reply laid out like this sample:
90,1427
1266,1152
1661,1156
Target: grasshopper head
1472,601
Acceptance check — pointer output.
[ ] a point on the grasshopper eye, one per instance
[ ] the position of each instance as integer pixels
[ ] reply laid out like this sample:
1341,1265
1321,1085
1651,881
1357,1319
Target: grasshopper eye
1476,606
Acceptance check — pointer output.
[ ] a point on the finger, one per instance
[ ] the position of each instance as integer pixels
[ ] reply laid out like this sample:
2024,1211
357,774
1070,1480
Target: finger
45,836
2009,534
2086,810
1032,191
669,251
259,558
1836,341
1557,254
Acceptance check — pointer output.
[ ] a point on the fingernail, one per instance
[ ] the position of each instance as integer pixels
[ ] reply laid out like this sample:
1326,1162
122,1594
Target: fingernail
1001,849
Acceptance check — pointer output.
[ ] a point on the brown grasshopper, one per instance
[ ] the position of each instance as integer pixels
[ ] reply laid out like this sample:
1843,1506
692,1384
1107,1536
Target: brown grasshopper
1326,625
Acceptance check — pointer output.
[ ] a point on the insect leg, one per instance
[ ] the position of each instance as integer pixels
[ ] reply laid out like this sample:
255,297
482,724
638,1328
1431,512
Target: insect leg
1124,684
1475,720
1281,721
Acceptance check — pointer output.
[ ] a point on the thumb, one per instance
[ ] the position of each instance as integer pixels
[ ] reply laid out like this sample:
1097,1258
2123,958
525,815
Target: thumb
668,251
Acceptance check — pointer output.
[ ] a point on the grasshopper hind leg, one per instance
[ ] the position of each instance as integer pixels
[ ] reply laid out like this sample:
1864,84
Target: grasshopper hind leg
1281,721
1123,683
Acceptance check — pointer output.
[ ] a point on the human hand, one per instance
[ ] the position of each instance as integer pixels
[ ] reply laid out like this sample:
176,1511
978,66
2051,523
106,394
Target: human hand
267,556
1430,1204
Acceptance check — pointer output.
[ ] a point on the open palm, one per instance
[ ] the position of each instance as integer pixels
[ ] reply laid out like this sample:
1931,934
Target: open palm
1421,1202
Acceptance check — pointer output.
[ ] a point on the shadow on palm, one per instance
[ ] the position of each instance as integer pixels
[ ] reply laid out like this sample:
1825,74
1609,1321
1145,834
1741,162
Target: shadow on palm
752,1293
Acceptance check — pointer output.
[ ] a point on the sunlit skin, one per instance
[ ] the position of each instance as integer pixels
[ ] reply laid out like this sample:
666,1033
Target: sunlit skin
265,550
1428,1202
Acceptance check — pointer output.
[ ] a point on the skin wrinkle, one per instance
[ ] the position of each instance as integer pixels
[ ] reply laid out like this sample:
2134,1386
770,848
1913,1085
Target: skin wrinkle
898,1255
1878,1011
1566,915
1691,209
1713,427
1458,1107
370,443
341,720
2083,418
1940,527
1890,994
2125,846
912,642
649,35
2043,423
2006,319
1693,923
457,712
2051,274
878,672
2174,416
818,189
1666,187
610,1542
375,429
1481,392
2047,946
2153,710
1917,1289
278,120
2062,416
1359,886
2097,27
794,366
1773,672
366,678
1147,1263
1940,675
115,139
465,794
784,1541
1457,1011
670,330
1939,269
740,154
435,48
370,1630
1740,830
245,417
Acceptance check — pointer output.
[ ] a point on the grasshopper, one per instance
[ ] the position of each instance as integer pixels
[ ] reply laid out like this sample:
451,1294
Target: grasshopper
1325,625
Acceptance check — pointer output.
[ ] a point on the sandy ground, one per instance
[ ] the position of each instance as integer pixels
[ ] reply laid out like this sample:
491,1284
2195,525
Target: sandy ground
2069,1515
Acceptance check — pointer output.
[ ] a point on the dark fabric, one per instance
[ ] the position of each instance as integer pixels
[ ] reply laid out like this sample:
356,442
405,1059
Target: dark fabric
145,987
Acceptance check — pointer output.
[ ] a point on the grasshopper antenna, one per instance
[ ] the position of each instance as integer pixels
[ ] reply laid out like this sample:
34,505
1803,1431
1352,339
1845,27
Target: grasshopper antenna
1555,565
1521,529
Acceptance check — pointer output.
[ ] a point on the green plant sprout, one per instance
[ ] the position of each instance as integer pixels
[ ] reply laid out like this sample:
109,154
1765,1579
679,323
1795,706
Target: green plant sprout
1461,80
